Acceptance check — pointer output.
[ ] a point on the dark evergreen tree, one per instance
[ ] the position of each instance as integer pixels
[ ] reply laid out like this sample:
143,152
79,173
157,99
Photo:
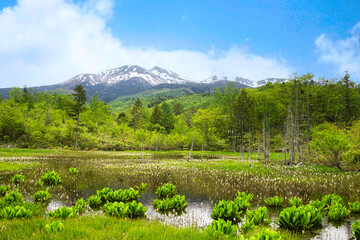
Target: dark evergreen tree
156,115
79,106
137,113
178,108
168,117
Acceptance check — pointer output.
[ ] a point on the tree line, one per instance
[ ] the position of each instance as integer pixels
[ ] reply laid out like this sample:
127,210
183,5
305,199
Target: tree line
302,119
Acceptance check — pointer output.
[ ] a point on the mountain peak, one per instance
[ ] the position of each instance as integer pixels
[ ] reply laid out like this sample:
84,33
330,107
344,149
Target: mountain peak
169,76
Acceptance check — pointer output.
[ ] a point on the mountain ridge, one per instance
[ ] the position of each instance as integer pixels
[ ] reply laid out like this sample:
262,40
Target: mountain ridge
132,79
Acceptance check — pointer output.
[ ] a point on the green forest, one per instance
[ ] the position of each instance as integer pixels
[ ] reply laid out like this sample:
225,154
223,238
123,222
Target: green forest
302,120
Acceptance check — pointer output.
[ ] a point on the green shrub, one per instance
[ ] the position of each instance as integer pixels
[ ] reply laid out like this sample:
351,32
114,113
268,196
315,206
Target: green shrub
356,229
296,202
94,201
226,210
338,211
354,207
80,205
301,218
42,196
123,195
18,178
166,191
13,197
219,227
63,212
274,201
73,171
12,212
177,202
119,209
51,178
4,189
54,227
332,199
259,216
267,234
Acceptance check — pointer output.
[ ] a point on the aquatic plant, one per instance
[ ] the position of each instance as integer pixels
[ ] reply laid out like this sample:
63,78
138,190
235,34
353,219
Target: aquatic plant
296,202
73,171
17,178
246,196
267,234
42,196
259,216
354,207
94,201
119,209
39,183
332,199
122,195
136,209
167,190
221,227
142,186
103,193
4,189
226,210
51,178
12,212
247,225
177,202
318,204
300,218
63,212
243,200
80,205
13,197
54,227
356,229
274,201
338,211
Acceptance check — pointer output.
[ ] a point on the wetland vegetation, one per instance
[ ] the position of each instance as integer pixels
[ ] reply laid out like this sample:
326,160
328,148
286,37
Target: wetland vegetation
327,196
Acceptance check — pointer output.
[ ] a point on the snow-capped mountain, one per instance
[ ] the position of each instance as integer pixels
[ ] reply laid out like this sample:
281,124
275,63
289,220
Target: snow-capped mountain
244,81
154,76
132,79
170,76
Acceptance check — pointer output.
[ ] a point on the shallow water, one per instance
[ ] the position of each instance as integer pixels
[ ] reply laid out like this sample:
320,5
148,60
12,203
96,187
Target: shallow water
202,188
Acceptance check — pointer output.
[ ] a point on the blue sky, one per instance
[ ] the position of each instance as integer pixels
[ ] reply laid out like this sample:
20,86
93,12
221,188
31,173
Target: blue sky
245,38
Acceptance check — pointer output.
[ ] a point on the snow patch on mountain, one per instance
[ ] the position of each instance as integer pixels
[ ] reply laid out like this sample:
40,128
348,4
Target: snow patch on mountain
169,76
250,83
154,76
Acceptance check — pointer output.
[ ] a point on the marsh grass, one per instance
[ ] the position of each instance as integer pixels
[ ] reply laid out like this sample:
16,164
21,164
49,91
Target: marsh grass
96,227
16,166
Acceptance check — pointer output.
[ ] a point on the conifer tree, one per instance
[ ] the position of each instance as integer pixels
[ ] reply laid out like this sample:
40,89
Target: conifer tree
79,106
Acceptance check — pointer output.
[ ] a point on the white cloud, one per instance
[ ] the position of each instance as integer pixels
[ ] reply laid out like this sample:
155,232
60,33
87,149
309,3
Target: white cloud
47,42
343,54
